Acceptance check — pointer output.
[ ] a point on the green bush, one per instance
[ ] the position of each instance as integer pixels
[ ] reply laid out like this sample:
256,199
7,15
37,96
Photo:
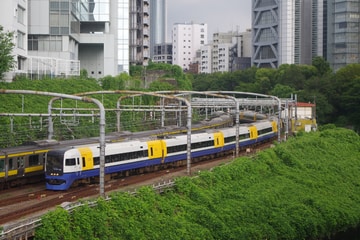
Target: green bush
305,188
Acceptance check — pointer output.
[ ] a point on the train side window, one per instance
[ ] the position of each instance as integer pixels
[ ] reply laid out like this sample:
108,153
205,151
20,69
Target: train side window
151,151
96,160
83,162
70,162
2,164
34,160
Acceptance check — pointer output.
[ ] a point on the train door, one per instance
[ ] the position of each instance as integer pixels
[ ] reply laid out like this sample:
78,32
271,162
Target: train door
2,170
20,166
253,132
86,160
157,149
218,139
78,166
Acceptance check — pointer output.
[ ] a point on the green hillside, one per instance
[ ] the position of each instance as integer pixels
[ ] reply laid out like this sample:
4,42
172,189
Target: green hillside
19,130
305,188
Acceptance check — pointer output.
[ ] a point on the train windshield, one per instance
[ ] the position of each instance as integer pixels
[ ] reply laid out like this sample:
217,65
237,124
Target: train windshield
54,163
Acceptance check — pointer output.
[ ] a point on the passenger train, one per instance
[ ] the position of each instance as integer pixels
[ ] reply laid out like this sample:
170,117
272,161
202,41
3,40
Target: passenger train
81,164
25,164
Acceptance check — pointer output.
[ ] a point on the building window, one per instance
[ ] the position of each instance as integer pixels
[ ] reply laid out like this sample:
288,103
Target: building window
21,62
45,43
343,25
20,15
20,39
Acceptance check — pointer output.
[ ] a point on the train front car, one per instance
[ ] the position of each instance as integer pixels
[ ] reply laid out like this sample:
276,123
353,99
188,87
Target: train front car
60,167
81,164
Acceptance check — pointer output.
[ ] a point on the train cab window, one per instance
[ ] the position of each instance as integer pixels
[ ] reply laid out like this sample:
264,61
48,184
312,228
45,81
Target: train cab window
70,162
34,160
2,164
151,152
83,162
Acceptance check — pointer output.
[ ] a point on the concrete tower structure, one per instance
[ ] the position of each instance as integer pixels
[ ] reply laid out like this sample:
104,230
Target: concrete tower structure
158,24
139,32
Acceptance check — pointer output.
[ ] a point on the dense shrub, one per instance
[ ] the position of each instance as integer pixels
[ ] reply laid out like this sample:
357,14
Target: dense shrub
305,188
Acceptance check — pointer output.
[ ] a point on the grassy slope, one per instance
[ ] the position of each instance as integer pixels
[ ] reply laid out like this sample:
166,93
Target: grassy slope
306,188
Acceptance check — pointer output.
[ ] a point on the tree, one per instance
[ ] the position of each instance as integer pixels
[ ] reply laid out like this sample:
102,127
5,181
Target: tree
322,66
6,46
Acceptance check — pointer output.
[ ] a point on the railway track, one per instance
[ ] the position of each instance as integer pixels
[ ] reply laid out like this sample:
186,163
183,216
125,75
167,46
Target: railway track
20,205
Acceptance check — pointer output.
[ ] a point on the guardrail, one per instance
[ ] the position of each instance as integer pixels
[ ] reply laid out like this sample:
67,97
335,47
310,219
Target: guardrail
26,228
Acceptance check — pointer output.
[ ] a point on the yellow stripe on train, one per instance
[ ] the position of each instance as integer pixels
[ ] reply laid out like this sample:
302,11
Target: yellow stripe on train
34,169
10,173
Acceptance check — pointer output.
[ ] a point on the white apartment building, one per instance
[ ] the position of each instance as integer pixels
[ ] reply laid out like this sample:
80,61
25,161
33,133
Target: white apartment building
228,52
187,39
206,58
14,18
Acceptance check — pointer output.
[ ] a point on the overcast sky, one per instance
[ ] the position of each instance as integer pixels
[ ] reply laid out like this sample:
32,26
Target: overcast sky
220,15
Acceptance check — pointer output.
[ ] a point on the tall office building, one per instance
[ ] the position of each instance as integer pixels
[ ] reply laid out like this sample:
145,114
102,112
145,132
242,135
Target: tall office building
158,26
343,38
286,31
187,39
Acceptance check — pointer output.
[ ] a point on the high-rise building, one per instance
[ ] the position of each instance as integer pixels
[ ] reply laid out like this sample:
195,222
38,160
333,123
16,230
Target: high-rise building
158,26
206,58
343,38
60,37
187,39
139,32
229,51
287,31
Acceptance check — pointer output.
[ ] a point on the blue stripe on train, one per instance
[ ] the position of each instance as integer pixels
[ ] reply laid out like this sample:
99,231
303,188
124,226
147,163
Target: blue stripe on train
69,178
